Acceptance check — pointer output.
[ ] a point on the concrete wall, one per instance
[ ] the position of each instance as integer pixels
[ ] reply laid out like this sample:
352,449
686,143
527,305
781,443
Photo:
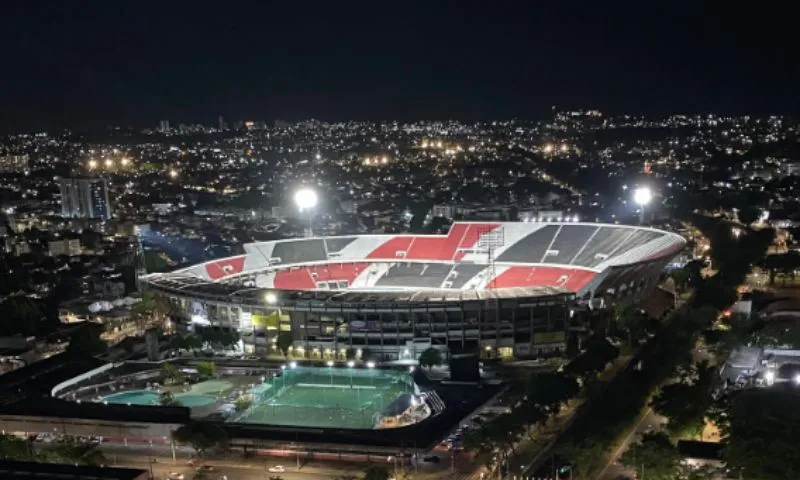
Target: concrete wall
105,428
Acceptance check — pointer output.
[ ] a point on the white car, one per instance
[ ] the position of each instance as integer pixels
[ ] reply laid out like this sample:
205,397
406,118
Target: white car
277,469
175,476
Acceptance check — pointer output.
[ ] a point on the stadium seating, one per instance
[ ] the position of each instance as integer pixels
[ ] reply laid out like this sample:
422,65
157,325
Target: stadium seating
337,244
395,248
603,243
294,279
415,275
336,271
526,254
463,273
300,251
531,248
568,242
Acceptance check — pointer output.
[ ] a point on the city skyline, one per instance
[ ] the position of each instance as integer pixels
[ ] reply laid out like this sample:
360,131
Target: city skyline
95,65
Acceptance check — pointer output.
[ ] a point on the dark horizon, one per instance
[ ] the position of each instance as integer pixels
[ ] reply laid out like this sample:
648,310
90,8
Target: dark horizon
97,64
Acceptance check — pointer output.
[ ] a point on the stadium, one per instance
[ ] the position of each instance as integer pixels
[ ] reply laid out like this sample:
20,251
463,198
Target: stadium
501,289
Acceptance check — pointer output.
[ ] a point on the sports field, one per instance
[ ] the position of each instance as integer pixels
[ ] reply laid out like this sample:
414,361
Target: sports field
321,397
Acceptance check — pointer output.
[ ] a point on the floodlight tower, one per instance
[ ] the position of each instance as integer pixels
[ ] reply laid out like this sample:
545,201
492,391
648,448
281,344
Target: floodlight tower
642,196
306,199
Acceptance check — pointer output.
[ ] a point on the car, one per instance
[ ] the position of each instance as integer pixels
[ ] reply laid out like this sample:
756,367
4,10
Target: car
175,476
432,459
277,469
205,468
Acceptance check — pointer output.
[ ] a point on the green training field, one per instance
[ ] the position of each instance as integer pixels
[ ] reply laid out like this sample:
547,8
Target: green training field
319,397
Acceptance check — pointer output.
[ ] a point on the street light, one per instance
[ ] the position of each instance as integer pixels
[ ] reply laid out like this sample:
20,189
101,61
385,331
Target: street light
329,363
306,199
642,197
350,365
370,366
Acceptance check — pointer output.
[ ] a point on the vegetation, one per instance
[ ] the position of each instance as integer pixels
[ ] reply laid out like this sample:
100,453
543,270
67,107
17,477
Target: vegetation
202,436
206,369
172,374
430,358
85,339
67,450
376,473
762,434
668,354
167,399
284,342
654,454
242,403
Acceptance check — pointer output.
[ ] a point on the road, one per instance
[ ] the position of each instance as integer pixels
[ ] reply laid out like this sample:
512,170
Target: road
649,422
234,467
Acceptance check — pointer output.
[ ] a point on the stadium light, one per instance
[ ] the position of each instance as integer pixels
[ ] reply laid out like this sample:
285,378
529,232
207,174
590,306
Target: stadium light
329,363
642,196
370,364
351,364
293,365
271,298
306,199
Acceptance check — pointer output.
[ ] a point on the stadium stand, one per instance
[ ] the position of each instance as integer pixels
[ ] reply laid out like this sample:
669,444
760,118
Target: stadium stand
337,244
300,251
532,246
294,278
603,243
461,274
337,271
397,247
417,275
568,242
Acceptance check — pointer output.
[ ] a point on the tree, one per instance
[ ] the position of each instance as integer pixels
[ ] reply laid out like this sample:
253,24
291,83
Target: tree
202,436
171,374
597,355
748,214
586,457
77,452
167,399
206,369
656,454
430,357
764,433
376,473
284,342
550,390
242,404
85,339
685,403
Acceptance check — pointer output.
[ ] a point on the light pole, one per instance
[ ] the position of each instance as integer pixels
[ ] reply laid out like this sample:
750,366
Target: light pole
306,199
371,367
329,363
642,197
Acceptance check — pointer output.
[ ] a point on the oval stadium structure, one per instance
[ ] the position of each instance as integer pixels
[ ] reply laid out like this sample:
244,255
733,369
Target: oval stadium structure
502,289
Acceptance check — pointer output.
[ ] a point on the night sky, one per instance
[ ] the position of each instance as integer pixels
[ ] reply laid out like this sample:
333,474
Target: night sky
102,63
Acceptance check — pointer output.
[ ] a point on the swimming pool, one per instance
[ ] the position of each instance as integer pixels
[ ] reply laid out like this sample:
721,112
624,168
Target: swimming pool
148,397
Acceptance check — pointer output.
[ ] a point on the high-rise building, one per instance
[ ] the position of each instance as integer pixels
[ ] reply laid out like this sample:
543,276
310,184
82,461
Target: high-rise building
221,123
85,198
163,126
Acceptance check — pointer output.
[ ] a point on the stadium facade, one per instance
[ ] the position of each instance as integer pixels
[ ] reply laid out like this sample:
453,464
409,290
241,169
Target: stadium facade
504,289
